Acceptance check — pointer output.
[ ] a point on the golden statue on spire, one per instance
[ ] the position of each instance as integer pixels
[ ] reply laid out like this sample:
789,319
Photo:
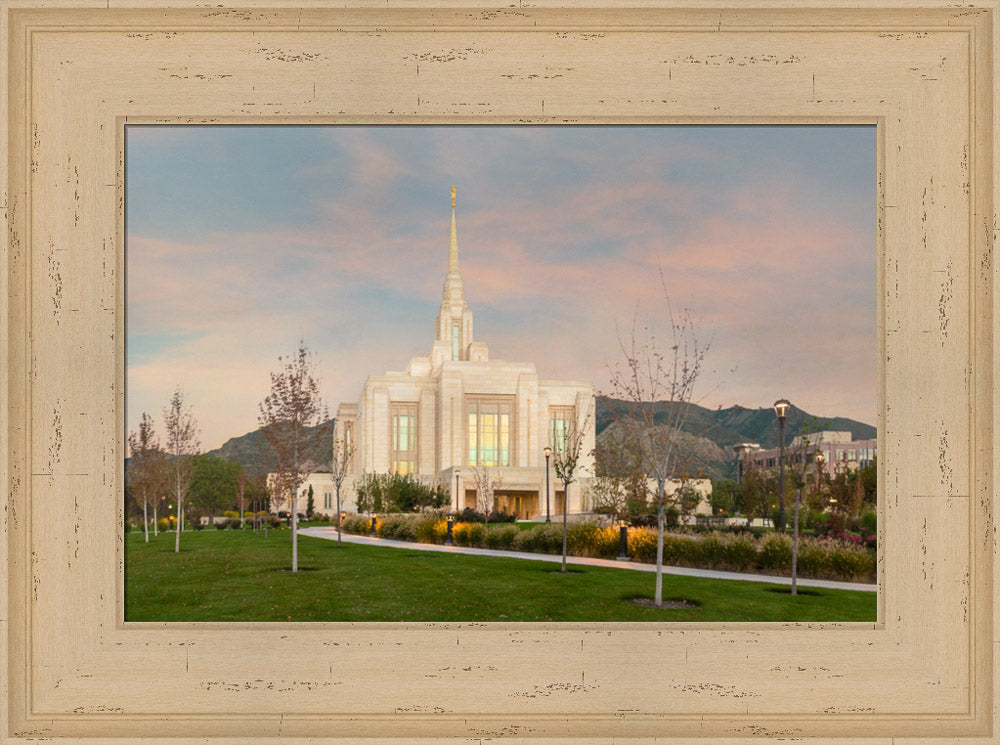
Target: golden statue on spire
453,197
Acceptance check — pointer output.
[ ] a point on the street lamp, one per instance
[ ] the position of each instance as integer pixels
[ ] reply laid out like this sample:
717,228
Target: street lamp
781,407
450,519
548,453
623,539
456,489
819,470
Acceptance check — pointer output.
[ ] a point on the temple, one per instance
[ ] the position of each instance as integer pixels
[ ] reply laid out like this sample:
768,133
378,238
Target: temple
455,410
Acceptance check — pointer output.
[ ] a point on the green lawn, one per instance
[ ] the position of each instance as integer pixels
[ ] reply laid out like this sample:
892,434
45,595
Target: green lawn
241,576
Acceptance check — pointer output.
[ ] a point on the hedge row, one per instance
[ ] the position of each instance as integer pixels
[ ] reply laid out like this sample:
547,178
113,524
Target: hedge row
822,558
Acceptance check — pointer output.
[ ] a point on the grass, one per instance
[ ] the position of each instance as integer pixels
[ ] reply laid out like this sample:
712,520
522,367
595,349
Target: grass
236,575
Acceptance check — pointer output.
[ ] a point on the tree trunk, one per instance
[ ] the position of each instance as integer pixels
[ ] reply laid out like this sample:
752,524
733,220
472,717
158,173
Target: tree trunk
156,527
338,515
295,526
795,543
658,595
565,510
177,528
145,520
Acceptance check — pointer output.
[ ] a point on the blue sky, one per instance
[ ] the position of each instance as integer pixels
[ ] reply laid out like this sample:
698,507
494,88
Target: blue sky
243,239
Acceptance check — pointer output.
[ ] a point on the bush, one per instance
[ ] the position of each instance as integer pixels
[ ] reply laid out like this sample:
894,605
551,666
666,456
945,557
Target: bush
642,545
431,529
397,527
776,553
741,553
502,537
357,524
868,522
583,539
394,492
814,558
851,562
469,534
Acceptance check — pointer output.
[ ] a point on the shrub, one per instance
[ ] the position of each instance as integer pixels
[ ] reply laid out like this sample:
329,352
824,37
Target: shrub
502,537
814,558
357,524
851,562
642,545
710,552
220,526
235,524
469,534
776,553
230,513
431,529
740,553
583,539
397,527
868,522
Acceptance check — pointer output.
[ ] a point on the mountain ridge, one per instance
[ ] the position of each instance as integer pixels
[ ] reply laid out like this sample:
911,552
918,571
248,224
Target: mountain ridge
722,428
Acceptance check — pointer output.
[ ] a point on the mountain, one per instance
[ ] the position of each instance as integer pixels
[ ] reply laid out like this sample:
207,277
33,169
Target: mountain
252,451
714,431
711,433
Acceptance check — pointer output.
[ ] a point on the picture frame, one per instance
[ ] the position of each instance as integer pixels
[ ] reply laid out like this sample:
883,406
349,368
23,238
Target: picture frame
76,73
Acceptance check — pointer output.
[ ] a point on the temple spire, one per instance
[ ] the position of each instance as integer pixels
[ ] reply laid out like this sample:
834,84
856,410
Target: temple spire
453,253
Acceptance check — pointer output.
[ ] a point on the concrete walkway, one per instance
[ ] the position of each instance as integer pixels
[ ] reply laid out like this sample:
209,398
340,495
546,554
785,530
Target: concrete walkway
331,534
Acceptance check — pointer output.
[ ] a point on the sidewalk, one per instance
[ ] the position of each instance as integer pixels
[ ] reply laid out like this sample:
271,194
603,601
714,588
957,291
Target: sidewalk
331,534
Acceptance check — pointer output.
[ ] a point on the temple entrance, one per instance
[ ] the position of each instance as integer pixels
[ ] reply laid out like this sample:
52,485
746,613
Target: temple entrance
522,504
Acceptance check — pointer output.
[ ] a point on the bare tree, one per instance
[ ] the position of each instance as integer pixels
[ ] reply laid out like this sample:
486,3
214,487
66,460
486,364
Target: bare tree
294,422
661,380
182,444
147,472
342,453
487,482
799,459
565,459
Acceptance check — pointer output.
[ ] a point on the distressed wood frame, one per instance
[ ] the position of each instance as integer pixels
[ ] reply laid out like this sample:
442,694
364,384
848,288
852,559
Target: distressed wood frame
76,71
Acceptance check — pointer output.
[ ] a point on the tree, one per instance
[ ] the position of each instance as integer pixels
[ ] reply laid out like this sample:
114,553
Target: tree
146,469
487,482
799,458
565,459
214,484
182,444
295,424
310,502
339,464
241,490
648,374
620,486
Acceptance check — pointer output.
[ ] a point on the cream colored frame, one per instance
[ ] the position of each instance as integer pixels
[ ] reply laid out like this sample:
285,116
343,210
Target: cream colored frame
76,70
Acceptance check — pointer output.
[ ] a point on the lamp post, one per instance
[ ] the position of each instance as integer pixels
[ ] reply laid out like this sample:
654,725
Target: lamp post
450,519
456,489
781,407
623,539
548,454
819,470
374,526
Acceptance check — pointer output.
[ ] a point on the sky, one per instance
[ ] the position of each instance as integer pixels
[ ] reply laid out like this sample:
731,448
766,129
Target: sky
243,240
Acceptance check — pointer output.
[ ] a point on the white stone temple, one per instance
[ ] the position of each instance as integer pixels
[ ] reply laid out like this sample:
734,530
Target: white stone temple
455,409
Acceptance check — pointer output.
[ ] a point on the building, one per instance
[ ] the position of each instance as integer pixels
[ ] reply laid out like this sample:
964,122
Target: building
456,409
840,452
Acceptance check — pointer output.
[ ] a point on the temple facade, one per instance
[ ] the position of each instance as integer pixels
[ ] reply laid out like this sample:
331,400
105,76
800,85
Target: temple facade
456,410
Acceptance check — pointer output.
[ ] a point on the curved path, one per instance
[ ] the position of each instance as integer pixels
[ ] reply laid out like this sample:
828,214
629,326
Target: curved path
331,534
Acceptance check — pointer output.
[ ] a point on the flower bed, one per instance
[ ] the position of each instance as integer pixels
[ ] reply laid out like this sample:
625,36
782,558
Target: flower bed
826,557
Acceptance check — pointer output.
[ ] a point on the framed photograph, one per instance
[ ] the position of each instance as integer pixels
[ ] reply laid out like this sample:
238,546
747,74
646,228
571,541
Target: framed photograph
76,77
